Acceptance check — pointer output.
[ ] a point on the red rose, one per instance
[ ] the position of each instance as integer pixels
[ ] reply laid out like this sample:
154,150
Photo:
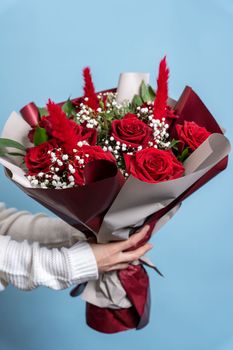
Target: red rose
131,131
191,134
88,154
154,165
37,158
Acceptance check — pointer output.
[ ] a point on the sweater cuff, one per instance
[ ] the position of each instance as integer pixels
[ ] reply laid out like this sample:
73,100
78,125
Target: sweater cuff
82,262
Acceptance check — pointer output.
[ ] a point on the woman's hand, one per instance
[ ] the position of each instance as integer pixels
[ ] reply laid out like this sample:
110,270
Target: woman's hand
113,256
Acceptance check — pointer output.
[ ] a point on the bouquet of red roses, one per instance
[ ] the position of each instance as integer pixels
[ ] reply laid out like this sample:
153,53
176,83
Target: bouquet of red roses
110,162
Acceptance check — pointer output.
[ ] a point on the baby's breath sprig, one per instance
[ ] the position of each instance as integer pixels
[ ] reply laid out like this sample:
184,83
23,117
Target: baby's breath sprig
86,115
118,149
102,118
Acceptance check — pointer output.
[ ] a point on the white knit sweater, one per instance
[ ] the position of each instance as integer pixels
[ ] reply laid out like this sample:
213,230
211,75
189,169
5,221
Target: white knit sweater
36,250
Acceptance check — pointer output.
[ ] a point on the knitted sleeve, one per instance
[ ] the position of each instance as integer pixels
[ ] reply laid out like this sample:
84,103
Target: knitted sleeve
27,262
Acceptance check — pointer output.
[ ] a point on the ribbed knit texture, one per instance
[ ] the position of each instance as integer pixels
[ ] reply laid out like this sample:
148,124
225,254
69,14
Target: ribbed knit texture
27,262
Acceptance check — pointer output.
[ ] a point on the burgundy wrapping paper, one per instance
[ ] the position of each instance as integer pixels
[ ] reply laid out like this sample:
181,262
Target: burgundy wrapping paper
136,283
88,218
78,206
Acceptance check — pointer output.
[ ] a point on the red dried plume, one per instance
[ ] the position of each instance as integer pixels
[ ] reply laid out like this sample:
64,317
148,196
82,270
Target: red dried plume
62,128
160,103
89,89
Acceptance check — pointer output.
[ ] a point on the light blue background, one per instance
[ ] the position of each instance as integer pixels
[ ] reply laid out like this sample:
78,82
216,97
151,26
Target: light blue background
43,47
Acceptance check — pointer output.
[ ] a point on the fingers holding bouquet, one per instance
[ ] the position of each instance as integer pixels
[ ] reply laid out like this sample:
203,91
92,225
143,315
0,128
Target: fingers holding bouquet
119,255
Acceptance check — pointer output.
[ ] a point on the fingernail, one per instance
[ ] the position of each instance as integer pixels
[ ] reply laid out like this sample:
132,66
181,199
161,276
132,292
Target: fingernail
143,230
146,228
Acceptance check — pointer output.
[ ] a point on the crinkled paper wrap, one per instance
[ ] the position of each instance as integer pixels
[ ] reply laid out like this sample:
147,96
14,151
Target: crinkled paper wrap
135,201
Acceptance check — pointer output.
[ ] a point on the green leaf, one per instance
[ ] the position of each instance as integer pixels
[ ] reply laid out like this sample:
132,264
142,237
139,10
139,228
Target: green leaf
101,103
183,155
10,143
144,92
16,154
174,143
2,153
68,108
40,136
43,111
109,117
151,92
137,101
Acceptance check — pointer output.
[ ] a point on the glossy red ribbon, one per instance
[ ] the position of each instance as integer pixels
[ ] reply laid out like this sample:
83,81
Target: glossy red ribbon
30,114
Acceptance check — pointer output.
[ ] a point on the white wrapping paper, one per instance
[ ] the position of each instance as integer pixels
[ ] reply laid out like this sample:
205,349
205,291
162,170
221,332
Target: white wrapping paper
129,85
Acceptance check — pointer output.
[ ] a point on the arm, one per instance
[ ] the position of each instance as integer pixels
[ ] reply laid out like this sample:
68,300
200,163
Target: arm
28,265
22,225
